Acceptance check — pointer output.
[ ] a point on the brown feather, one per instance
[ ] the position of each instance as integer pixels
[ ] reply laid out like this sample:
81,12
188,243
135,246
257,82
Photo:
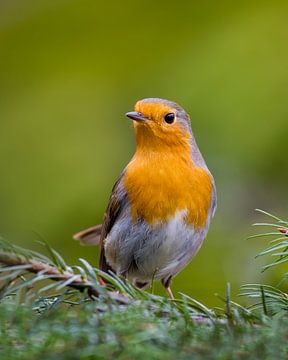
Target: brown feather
90,236
110,217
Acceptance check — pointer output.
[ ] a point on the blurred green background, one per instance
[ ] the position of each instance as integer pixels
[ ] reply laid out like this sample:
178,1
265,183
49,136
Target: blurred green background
69,70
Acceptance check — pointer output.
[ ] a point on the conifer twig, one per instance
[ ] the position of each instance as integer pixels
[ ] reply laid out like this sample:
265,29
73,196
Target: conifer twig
35,266
13,261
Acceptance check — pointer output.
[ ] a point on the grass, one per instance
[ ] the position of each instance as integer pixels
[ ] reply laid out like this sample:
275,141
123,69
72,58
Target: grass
61,312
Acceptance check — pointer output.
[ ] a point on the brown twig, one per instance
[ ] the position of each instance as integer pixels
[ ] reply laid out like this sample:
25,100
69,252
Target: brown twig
79,282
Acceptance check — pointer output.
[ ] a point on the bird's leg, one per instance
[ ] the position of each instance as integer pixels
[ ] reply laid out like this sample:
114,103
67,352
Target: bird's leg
169,293
166,283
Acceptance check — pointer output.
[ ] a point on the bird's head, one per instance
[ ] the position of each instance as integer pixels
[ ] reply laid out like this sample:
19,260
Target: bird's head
160,123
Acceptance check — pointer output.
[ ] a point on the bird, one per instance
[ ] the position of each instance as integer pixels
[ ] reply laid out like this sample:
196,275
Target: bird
162,204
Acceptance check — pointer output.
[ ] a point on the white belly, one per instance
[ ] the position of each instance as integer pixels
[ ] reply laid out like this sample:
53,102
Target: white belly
142,253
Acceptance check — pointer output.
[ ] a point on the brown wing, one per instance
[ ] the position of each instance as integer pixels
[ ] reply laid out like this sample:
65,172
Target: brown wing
112,212
90,236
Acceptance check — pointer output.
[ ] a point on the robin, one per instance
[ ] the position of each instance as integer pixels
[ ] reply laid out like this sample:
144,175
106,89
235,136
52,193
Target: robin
161,206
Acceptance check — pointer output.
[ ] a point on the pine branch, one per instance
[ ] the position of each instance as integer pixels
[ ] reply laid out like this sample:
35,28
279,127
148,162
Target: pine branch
34,266
269,298
16,262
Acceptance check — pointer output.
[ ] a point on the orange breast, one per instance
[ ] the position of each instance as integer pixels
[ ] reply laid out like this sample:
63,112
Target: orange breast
160,184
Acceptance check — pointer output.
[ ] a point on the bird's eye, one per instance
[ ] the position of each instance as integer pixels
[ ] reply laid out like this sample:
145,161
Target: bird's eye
169,118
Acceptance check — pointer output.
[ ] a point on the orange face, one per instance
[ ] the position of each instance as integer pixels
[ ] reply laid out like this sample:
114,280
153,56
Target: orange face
163,124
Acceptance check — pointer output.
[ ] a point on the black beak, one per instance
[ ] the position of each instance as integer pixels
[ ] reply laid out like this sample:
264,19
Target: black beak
137,116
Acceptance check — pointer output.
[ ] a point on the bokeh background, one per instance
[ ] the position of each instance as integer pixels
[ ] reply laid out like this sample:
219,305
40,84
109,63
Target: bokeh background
69,70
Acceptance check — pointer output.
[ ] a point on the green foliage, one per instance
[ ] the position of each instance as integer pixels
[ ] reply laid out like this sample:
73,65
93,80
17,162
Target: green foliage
50,310
271,299
138,331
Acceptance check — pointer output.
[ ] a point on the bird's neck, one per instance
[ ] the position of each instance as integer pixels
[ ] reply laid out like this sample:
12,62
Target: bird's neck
148,145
